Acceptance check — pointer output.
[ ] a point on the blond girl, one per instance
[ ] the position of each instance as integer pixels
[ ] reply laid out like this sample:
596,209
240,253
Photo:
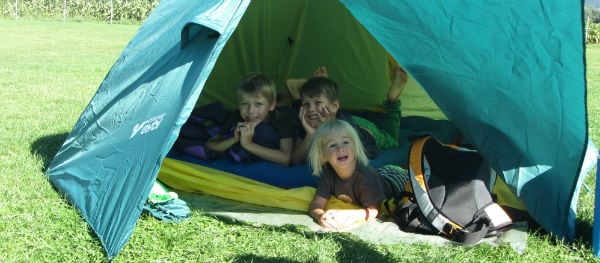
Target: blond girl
338,156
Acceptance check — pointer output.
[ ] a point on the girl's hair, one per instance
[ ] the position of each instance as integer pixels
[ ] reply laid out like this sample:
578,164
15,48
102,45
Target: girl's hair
318,145
258,83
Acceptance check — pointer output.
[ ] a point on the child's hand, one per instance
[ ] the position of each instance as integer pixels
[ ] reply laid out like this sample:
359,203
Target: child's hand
326,114
236,133
246,133
327,220
339,218
312,120
304,119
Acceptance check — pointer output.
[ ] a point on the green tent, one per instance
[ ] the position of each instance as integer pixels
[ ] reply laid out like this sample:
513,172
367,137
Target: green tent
510,76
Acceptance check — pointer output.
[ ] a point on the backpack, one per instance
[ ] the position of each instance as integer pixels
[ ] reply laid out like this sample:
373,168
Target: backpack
448,194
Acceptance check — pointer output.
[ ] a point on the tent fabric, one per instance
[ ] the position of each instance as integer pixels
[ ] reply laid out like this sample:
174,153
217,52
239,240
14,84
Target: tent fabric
484,64
111,158
279,38
292,48
509,75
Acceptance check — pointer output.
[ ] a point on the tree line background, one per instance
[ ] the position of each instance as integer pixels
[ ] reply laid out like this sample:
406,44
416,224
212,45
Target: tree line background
119,11
128,11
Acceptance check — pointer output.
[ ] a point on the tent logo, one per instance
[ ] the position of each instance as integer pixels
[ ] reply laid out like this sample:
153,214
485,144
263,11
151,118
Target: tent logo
147,125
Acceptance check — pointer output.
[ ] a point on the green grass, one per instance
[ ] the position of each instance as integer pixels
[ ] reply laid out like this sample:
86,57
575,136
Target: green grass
48,73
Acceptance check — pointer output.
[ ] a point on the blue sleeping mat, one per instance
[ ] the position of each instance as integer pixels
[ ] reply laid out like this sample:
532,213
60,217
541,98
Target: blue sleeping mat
284,176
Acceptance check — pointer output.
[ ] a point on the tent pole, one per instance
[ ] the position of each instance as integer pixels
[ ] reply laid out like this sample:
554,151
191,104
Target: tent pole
64,10
111,12
587,28
596,224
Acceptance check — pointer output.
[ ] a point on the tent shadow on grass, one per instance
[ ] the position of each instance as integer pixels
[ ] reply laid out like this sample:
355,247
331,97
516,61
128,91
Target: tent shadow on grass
584,231
350,247
257,258
46,147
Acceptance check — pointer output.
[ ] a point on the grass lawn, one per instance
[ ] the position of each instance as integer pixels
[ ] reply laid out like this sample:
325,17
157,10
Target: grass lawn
48,73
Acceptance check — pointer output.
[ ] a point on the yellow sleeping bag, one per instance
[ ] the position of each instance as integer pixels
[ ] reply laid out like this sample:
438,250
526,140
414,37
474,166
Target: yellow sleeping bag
191,177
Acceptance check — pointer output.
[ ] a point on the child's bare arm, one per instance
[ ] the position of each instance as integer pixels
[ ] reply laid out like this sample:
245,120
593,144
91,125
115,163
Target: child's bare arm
301,147
316,210
281,156
216,143
372,212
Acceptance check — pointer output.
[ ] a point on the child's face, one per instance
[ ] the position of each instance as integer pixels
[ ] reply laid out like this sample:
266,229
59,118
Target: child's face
254,107
339,152
319,109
